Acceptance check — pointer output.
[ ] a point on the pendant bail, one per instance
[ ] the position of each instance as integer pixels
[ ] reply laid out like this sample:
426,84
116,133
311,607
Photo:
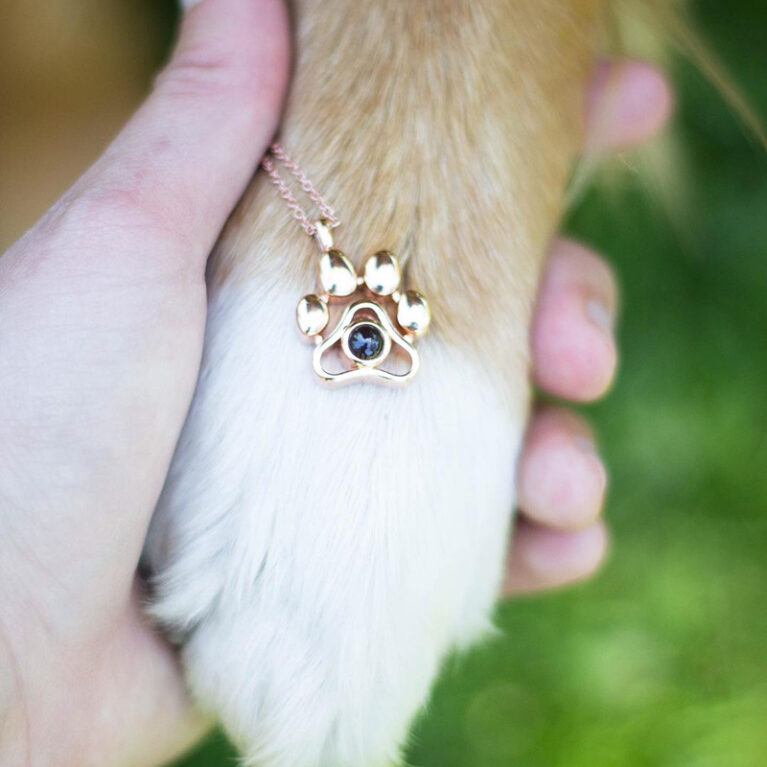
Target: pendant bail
323,235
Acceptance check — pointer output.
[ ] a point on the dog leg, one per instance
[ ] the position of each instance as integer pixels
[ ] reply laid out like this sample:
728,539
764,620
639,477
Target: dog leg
322,551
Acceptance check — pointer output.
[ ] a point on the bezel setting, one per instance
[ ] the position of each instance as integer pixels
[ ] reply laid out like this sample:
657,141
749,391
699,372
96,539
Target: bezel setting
374,361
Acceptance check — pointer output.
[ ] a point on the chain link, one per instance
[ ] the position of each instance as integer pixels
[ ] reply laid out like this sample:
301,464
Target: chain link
277,153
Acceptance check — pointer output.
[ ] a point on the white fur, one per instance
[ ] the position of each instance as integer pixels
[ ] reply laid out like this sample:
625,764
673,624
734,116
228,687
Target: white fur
321,551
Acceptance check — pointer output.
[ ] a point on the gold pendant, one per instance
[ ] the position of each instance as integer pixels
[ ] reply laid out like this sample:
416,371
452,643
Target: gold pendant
375,324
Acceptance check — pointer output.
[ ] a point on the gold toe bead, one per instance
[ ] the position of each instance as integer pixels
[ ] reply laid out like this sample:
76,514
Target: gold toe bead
382,273
337,275
312,315
413,312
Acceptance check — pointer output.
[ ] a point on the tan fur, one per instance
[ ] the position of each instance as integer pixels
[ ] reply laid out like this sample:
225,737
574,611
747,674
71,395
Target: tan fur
445,131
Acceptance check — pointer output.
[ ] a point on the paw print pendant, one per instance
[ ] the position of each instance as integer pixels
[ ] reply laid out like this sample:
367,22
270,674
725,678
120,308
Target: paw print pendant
374,323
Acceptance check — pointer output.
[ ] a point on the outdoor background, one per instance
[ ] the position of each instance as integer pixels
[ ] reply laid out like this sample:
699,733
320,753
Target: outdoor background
661,660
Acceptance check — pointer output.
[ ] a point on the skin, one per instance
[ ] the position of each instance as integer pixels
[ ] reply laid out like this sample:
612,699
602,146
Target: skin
102,309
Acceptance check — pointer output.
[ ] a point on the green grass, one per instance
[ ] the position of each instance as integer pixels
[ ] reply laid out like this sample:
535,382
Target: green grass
660,661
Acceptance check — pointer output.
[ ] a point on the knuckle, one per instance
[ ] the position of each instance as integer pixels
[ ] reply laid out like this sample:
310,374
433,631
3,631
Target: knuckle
239,82
198,71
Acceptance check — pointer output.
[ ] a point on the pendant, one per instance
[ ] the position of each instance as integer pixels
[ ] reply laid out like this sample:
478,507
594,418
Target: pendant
374,323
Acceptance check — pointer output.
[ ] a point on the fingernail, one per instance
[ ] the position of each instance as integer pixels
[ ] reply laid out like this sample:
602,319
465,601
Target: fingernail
600,315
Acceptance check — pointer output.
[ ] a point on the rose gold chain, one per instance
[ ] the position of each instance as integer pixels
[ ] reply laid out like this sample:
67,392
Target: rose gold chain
277,153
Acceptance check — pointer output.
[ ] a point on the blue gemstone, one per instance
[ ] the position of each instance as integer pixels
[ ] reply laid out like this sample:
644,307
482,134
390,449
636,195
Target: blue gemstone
366,342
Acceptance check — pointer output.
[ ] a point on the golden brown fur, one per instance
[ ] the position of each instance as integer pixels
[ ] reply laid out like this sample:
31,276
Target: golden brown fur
445,131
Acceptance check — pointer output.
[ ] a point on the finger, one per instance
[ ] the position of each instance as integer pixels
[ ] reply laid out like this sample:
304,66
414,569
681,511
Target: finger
542,558
573,348
561,479
628,102
177,169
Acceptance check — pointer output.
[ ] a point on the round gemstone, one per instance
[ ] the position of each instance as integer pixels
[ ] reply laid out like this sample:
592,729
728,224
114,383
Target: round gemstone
366,342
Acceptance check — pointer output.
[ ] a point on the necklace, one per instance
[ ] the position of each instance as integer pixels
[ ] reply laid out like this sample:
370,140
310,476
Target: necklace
374,323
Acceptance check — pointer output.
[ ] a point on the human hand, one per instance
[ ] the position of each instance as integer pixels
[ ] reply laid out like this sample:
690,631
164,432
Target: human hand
101,317
102,312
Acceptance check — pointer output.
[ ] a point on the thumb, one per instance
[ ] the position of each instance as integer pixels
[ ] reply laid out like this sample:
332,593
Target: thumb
184,158
102,309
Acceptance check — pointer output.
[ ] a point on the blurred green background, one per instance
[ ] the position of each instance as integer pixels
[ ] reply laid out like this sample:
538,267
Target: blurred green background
661,660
